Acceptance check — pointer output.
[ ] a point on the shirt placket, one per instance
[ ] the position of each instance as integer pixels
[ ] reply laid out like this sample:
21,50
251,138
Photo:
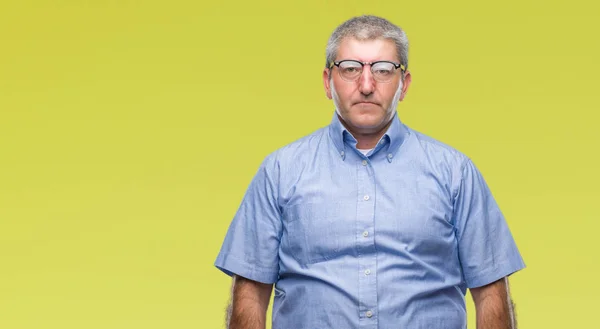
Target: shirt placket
367,261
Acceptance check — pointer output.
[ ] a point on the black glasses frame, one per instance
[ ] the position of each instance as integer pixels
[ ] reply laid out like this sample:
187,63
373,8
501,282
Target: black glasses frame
396,66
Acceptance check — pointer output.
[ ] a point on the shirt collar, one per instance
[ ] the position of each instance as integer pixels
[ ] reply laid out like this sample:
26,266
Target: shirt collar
395,134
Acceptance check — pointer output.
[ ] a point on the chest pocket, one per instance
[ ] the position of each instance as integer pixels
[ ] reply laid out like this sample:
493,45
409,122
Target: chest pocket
317,232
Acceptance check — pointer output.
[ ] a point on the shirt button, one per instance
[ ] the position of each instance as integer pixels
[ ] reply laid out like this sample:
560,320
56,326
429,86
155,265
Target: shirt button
390,155
369,314
364,162
366,234
342,153
366,197
367,272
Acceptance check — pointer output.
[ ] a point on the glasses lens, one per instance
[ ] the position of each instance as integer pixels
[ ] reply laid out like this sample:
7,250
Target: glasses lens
350,70
383,71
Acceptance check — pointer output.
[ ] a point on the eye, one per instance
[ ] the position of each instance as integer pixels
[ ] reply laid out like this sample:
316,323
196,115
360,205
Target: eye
383,72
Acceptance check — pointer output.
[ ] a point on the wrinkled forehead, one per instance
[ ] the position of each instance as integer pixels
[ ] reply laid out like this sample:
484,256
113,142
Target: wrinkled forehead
367,50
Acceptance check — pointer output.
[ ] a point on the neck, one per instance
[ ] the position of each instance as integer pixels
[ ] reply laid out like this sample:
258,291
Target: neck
367,139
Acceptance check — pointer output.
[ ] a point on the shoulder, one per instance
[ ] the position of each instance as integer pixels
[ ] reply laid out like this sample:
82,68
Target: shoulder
301,148
437,152
297,152
438,159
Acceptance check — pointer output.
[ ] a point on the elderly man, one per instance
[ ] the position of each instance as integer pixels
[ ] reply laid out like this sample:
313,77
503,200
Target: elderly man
367,223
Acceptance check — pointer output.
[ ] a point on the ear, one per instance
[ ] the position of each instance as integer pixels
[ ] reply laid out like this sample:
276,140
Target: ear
407,80
326,80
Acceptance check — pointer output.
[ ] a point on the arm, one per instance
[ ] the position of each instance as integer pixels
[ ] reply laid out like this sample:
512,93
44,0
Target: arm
493,306
249,303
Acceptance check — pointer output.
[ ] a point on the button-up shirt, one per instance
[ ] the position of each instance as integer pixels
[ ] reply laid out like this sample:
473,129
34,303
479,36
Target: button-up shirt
390,239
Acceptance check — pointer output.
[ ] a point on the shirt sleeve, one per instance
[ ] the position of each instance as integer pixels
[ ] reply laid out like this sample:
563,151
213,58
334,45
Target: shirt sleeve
486,247
251,245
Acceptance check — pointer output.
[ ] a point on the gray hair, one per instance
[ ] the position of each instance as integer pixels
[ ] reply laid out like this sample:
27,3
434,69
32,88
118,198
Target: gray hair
367,27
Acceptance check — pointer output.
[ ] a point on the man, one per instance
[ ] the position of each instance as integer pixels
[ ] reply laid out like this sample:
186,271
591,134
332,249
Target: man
367,223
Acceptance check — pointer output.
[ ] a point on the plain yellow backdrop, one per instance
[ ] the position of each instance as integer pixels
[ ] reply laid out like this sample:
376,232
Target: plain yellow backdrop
129,131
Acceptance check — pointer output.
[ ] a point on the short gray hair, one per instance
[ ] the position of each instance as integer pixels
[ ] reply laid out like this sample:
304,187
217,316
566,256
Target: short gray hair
367,27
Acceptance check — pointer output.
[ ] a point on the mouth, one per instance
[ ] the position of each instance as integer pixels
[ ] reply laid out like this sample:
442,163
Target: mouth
366,103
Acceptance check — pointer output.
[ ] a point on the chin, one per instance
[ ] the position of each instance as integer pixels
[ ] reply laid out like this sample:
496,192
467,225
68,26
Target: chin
365,119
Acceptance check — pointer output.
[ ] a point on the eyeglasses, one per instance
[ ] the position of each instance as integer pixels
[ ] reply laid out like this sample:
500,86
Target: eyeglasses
383,71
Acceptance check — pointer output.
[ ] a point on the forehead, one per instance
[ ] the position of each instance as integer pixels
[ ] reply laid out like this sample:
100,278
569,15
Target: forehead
367,50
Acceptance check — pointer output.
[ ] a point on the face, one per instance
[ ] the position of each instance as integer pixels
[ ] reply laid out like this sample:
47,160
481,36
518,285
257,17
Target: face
365,105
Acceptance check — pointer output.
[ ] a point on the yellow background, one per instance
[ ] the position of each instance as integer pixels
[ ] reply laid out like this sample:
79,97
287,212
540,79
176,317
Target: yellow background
129,131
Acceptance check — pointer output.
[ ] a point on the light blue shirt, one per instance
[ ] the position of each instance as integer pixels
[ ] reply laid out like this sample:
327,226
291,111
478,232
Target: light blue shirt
387,240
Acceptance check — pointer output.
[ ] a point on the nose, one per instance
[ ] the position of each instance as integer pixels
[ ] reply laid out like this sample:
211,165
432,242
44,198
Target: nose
366,82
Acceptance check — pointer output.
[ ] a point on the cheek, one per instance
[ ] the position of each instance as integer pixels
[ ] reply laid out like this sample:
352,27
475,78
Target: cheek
348,94
343,90
389,93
